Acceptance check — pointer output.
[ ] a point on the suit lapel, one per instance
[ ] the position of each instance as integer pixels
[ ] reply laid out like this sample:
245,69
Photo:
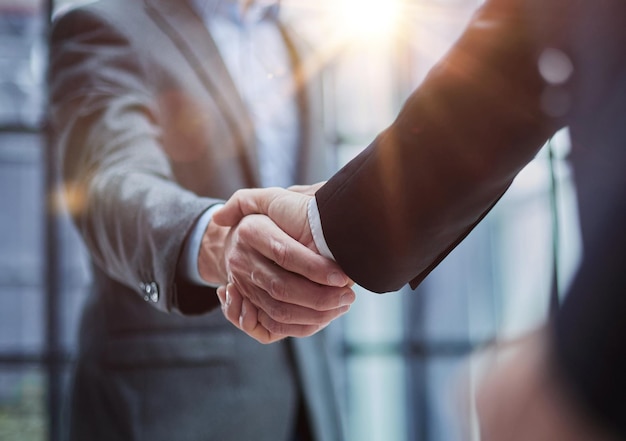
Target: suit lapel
190,35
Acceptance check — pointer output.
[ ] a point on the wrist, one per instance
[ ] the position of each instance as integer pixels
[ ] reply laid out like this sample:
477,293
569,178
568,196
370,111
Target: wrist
211,262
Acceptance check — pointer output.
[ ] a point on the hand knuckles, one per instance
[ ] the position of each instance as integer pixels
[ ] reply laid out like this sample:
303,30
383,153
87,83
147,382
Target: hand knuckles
246,230
280,252
278,290
260,279
228,310
281,313
254,297
275,327
248,223
235,260
240,194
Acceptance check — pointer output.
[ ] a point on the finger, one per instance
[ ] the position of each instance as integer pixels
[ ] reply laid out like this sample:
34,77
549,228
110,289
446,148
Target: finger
244,202
264,336
271,287
284,312
262,234
248,319
221,295
246,316
283,329
231,304
290,288
293,314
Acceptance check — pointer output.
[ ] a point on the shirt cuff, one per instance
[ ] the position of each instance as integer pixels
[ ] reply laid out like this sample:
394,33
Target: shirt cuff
315,223
188,265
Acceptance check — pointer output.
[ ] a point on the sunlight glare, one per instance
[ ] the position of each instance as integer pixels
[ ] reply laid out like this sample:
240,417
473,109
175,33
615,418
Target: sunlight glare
367,20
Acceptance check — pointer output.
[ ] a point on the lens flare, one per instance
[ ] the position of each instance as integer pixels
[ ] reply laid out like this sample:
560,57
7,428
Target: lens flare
367,20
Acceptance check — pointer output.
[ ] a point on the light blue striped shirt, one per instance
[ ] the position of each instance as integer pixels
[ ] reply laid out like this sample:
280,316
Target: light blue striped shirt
257,58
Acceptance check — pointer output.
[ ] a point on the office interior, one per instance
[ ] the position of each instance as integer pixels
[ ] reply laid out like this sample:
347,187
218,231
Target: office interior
401,358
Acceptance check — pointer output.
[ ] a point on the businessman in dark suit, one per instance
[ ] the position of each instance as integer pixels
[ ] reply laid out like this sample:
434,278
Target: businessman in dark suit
157,119
521,70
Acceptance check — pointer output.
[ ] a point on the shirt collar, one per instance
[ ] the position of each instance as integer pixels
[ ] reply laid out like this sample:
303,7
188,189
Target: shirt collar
238,11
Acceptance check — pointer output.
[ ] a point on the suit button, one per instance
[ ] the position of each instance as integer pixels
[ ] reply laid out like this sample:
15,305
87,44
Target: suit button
151,291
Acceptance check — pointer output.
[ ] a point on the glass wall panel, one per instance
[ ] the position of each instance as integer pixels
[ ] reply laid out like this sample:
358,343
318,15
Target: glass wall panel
22,404
23,376
21,56
377,391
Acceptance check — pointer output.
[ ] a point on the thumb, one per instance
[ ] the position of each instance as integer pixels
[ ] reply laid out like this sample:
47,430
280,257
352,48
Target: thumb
245,202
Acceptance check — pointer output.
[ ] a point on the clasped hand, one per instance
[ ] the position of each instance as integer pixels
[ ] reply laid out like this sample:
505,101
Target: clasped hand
277,283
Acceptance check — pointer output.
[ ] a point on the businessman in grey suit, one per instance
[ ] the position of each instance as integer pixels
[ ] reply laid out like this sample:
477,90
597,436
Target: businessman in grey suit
158,114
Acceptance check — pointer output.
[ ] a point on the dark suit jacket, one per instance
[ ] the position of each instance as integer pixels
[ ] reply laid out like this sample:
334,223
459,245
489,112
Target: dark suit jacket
392,214
150,131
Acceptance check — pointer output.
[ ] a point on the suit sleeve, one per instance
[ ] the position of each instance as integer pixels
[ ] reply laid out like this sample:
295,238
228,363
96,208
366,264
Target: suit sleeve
392,214
117,180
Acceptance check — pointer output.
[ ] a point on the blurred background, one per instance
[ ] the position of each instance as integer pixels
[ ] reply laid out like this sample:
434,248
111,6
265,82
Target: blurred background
401,357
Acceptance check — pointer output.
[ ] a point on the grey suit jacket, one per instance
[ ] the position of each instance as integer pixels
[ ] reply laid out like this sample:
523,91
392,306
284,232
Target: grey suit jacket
150,132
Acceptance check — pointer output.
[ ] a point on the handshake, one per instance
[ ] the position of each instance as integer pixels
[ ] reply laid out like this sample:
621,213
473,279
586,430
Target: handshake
278,285
273,282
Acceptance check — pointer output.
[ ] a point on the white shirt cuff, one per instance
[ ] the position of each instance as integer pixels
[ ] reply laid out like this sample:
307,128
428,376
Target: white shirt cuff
188,266
315,223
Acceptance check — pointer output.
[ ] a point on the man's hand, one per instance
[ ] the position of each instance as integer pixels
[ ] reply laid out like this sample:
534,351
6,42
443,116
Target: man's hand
258,324
522,397
288,209
279,285
293,291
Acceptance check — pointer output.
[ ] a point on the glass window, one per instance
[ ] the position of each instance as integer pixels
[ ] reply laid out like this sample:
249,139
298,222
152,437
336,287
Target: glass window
401,356
22,410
